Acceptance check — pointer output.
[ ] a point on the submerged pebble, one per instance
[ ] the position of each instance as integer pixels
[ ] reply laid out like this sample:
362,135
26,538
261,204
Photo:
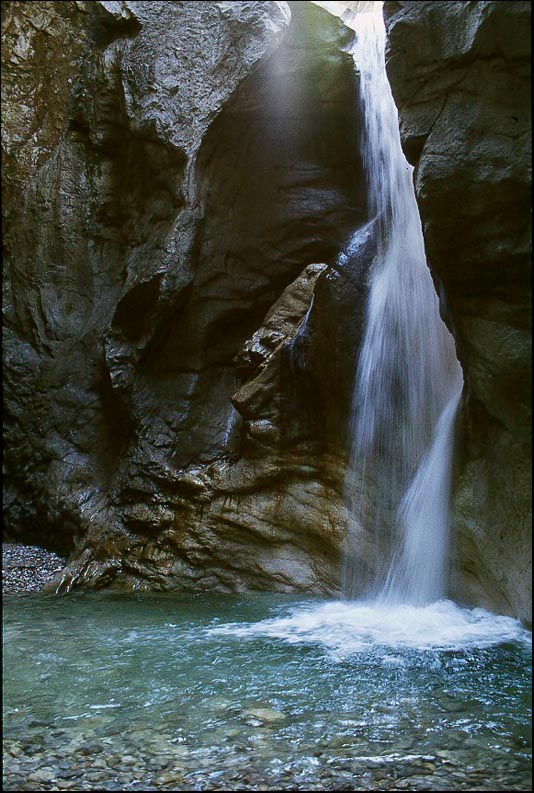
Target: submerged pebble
265,716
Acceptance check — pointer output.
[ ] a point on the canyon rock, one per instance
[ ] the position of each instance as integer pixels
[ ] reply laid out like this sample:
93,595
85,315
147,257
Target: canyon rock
181,318
179,187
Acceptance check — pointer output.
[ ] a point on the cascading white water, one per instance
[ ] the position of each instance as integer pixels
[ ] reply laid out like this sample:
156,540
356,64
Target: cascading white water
408,379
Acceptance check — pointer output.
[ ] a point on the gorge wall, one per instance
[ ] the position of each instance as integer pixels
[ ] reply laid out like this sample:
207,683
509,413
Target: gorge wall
175,404
180,334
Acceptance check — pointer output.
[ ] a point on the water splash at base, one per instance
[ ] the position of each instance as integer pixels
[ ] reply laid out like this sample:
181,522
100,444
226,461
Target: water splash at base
344,629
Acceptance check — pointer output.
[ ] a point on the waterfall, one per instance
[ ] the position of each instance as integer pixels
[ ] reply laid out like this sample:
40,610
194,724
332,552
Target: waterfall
408,379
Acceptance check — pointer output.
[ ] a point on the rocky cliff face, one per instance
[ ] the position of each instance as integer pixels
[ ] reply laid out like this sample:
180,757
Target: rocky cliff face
180,179
460,74
180,333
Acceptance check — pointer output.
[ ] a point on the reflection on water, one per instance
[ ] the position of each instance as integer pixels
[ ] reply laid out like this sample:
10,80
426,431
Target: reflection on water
195,692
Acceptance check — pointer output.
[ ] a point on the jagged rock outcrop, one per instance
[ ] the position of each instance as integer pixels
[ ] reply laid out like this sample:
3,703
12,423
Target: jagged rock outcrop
176,166
460,74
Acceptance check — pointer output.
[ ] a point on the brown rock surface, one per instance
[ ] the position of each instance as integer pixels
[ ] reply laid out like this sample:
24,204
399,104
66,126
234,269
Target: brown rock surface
197,157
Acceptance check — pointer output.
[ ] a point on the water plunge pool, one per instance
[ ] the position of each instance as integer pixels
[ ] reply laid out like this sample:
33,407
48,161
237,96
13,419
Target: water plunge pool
197,692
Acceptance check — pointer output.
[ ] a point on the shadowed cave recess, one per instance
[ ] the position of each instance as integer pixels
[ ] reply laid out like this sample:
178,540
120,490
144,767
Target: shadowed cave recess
180,330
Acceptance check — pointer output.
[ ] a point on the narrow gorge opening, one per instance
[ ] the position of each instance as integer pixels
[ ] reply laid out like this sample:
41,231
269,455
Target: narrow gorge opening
408,380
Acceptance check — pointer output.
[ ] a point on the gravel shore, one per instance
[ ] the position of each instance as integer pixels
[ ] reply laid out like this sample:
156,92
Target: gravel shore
27,568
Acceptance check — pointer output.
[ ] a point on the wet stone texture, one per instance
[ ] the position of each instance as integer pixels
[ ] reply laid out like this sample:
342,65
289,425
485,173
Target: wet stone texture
102,765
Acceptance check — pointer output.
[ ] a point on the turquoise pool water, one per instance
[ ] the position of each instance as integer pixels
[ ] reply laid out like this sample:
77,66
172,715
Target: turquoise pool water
198,692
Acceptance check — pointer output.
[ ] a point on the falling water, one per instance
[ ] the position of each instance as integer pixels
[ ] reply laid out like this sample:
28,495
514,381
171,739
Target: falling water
408,379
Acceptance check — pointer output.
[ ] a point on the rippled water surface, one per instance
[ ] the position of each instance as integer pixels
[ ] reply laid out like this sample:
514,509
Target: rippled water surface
199,692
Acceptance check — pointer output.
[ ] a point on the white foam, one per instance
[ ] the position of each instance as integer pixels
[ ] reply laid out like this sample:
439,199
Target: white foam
345,628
